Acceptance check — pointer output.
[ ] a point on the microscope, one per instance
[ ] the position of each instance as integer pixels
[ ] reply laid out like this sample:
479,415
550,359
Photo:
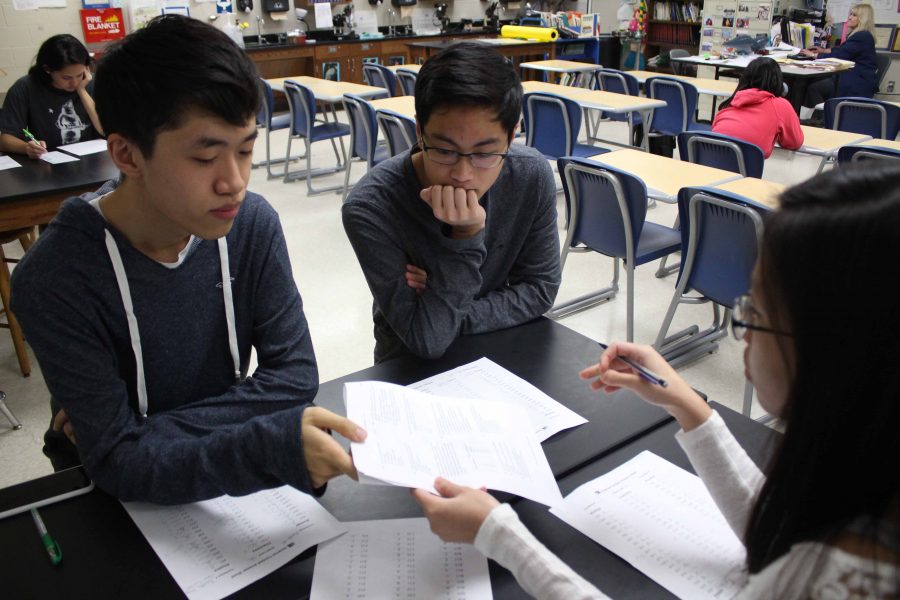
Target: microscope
343,23
440,13
492,19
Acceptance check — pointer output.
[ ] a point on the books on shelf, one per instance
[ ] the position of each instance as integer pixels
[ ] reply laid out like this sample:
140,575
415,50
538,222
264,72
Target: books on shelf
674,10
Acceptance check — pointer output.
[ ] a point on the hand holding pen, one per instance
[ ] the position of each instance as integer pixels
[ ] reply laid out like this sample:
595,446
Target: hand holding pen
33,147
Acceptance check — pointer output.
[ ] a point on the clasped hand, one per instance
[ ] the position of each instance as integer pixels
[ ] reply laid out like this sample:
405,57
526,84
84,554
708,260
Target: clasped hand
457,207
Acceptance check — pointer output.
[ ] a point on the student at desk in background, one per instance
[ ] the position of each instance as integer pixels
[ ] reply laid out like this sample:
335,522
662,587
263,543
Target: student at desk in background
859,47
143,301
757,113
458,235
53,101
824,520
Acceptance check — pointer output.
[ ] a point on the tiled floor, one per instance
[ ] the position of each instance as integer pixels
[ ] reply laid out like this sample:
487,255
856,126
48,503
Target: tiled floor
338,304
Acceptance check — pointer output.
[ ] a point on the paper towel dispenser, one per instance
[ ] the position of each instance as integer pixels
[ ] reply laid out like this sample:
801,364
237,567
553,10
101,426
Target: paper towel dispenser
276,5
403,2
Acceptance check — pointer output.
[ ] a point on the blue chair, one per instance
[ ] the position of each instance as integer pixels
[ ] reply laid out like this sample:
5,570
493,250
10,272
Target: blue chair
865,116
302,103
722,152
606,210
267,119
858,152
720,237
681,106
552,124
363,136
619,82
407,81
399,131
380,76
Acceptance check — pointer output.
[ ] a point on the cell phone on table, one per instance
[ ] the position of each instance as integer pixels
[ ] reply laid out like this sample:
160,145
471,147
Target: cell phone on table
42,491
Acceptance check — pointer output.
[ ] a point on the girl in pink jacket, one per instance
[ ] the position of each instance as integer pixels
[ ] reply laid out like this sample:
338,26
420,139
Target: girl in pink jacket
757,113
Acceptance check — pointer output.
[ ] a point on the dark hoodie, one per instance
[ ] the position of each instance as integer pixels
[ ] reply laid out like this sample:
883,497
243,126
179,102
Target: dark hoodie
204,435
760,118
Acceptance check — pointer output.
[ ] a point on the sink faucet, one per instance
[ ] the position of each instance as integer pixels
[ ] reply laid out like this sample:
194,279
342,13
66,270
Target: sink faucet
259,37
391,14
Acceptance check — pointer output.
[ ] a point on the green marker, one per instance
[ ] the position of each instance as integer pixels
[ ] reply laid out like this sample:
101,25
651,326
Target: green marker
53,549
29,135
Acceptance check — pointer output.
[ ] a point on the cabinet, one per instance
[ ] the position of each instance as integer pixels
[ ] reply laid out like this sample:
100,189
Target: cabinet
673,24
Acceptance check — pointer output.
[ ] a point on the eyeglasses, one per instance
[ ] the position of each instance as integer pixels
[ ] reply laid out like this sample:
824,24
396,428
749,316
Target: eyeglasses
479,160
743,316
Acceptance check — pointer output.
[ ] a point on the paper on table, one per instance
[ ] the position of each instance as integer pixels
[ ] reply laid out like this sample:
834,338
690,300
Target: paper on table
662,520
57,157
398,558
7,162
216,547
414,437
485,379
83,148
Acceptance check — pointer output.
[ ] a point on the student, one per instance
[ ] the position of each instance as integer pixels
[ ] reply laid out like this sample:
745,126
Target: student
123,302
824,522
458,235
52,101
860,48
757,113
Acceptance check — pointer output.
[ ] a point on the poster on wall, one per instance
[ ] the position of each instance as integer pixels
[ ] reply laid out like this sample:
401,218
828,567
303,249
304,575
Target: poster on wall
95,3
331,71
102,25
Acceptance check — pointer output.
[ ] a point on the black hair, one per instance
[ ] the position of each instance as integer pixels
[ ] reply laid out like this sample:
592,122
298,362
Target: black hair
469,74
763,74
58,52
150,80
826,261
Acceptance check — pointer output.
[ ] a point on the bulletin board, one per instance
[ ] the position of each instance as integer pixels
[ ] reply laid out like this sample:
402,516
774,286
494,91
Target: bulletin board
723,20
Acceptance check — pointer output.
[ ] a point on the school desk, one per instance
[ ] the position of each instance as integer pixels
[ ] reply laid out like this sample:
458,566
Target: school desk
326,90
758,190
717,88
403,105
819,141
413,68
560,67
881,143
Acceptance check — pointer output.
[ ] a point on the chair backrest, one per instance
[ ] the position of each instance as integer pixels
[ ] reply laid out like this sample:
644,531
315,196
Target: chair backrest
363,127
681,104
863,152
720,238
619,82
882,63
605,207
865,116
407,81
722,152
679,68
399,130
302,103
266,104
380,76
552,123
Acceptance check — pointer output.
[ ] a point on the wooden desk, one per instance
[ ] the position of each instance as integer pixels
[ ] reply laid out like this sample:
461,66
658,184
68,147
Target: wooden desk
413,68
826,142
664,176
892,144
758,190
328,91
107,557
560,67
712,87
605,101
31,194
404,105
516,50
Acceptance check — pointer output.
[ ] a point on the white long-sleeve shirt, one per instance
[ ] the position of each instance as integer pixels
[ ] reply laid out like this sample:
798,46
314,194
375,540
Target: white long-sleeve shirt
733,480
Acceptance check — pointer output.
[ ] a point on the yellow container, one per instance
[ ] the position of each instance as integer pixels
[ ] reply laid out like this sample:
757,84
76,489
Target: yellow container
541,34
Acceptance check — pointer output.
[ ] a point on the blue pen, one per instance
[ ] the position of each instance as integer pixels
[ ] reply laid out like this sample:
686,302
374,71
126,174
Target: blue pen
644,372
52,547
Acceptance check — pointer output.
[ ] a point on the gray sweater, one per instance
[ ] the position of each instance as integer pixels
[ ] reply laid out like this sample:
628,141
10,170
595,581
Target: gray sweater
505,275
205,435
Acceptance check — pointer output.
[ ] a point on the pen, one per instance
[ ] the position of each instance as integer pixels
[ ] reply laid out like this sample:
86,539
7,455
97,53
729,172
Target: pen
644,372
29,135
53,549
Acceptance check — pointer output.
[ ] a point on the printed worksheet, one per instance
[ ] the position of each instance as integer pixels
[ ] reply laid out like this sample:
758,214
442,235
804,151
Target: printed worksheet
485,379
216,547
7,162
84,148
56,157
398,559
662,520
415,437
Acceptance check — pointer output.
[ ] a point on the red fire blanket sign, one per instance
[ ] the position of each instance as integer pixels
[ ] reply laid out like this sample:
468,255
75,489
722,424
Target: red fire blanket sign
102,25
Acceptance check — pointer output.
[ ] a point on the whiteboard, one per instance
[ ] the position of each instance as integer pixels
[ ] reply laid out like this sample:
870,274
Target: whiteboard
885,11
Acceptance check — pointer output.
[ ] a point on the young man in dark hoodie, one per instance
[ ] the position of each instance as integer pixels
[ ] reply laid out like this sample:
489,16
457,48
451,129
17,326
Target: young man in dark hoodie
122,298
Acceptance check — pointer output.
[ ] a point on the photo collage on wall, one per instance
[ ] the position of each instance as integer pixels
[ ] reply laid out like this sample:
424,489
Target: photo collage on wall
723,20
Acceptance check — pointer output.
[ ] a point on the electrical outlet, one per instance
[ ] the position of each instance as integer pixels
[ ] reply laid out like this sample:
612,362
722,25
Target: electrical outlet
890,87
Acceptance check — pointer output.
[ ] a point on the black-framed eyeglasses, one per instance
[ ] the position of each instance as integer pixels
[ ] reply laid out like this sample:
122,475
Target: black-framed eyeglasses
743,317
479,160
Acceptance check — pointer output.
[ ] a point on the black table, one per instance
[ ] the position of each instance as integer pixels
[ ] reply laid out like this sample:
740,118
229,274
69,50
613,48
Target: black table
106,555
31,194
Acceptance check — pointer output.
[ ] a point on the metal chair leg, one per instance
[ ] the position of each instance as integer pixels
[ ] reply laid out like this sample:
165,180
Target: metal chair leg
16,425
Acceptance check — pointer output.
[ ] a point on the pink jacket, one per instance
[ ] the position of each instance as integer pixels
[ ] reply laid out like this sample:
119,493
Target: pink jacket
761,118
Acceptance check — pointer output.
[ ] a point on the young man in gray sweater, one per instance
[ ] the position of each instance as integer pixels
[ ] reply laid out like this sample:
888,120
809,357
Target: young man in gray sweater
457,236
143,301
